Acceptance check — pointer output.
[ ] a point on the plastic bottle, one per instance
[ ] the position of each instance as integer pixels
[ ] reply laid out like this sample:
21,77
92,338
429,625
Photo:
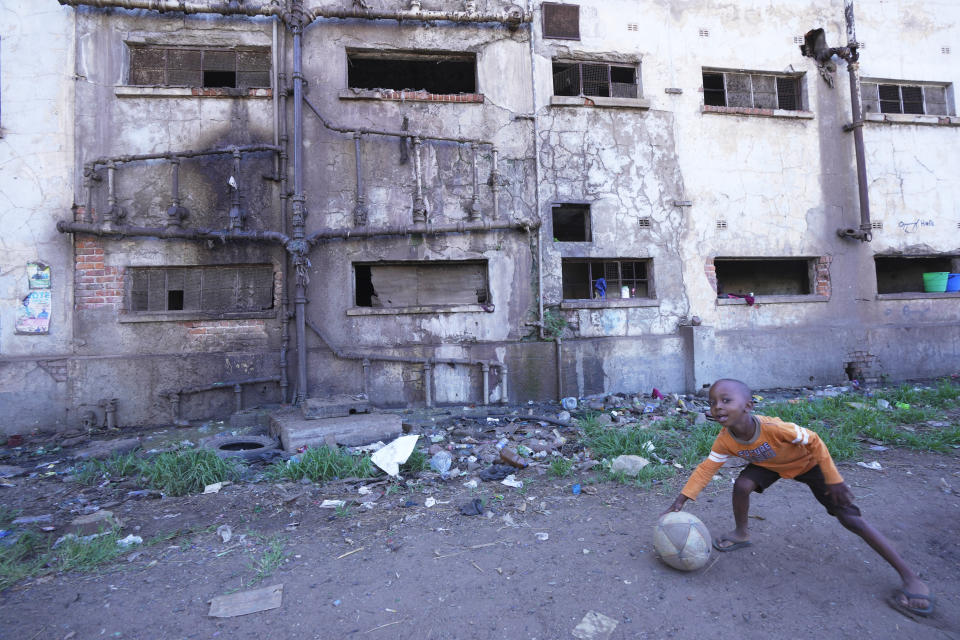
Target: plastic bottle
513,458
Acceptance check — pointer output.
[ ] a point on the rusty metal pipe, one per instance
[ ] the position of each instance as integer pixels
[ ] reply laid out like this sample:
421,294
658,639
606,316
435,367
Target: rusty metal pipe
403,230
864,234
131,231
513,17
419,207
428,383
475,199
360,209
189,153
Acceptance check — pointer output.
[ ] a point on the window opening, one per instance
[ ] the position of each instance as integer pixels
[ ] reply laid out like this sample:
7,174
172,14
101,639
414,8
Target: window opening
759,277
594,79
585,279
751,90
416,284
561,21
571,223
216,290
212,68
904,98
905,274
441,73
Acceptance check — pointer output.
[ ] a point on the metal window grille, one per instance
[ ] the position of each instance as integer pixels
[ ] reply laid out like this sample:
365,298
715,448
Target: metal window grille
721,224
704,33
561,21
183,67
594,79
581,279
751,90
214,290
645,223
632,26
904,98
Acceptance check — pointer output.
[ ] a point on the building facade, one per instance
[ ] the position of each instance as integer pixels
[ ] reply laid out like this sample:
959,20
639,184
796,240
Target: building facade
213,205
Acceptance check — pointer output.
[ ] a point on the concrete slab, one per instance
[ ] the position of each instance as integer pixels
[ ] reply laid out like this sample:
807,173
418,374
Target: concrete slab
106,448
335,406
295,431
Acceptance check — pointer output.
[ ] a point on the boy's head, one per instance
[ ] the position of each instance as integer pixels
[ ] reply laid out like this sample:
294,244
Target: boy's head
731,402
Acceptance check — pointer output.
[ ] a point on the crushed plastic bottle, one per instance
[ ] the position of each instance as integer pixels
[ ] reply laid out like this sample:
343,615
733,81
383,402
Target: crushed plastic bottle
569,403
513,458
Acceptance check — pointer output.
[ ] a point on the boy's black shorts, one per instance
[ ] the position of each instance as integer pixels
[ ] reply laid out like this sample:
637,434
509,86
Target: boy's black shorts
814,479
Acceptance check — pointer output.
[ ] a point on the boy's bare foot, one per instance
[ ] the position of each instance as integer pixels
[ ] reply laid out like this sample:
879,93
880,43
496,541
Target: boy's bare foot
731,541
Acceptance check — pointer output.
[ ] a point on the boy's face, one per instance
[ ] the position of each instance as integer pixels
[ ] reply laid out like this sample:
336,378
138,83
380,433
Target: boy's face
730,404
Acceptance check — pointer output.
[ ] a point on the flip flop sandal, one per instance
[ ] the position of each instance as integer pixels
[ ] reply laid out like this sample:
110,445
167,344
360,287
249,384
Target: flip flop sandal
894,601
730,547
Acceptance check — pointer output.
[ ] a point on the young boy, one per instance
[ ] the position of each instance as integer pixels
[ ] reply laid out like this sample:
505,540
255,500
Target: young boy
777,449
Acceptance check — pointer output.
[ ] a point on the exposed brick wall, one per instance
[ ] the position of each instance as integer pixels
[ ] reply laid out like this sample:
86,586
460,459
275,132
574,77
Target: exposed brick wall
233,334
425,96
711,272
97,286
822,269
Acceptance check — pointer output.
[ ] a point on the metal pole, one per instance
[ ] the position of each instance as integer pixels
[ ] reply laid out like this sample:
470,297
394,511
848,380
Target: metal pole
298,246
428,383
853,67
419,208
475,202
485,369
360,210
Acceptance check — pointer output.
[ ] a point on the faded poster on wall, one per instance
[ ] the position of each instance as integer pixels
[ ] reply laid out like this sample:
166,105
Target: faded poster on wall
33,315
39,275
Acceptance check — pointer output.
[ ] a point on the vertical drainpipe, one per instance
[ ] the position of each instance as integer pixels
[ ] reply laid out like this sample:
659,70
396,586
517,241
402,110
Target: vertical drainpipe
298,244
853,67
536,175
281,138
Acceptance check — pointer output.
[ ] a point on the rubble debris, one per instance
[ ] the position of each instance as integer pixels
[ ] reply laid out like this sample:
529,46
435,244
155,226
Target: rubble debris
472,508
244,602
629,465
495,472
594,626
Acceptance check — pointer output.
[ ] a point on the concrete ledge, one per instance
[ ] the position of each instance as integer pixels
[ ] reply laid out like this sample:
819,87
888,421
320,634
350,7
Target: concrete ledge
763,113
389,311
722,302
599,101
335,407
913,118
917,295
613,303
135,91
410,96
183,316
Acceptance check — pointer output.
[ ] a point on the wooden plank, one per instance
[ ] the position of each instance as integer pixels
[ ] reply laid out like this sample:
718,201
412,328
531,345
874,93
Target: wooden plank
240,604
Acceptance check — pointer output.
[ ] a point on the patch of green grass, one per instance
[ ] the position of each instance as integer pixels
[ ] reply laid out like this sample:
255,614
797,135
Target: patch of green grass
343,510
8,515
269,559
86,555
117,465
418,461
183,472
323,464
561,467
22,559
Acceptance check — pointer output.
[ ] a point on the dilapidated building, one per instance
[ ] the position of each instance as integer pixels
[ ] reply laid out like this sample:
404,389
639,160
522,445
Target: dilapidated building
212,204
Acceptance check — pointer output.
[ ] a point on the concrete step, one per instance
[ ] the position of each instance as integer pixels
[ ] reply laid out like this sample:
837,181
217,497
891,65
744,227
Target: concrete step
295,431
335,406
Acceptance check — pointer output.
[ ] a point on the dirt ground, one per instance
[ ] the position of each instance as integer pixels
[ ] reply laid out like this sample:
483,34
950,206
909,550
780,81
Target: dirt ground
402,569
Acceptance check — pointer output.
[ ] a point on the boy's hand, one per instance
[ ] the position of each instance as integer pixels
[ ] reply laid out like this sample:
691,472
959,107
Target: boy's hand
677,505
840,493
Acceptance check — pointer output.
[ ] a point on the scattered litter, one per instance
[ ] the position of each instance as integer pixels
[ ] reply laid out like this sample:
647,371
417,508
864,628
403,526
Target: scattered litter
471,484
576,489
225,532
883,404
542,536
364,490
350,553
870,465
878,447
441,462
508,520
496,472
511,481
213,488
47,517
429,502
239,604
130,540
902,405
390,457
595,626
569,403
332,504
472,508
945,486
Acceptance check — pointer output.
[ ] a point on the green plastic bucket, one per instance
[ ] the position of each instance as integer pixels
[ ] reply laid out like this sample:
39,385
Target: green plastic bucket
935,281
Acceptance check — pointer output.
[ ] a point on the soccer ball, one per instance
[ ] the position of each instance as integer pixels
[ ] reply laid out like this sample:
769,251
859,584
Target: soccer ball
682,541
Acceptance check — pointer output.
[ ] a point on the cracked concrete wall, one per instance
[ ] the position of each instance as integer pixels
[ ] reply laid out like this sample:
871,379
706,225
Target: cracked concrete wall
36,162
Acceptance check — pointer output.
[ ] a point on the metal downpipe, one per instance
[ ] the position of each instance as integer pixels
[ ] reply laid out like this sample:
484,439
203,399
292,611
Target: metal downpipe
299,212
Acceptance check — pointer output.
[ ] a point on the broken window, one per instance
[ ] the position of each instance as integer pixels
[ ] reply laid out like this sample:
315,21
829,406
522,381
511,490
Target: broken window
417,284
183,67
904,98
571,223
214,290
585,279
433,72
752,90
899,274
594,79
561,21
764,276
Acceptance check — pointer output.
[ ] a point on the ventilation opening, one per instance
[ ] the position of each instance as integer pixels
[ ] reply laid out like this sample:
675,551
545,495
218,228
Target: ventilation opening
905,274
571,223
414,284
644,223
721,224
759,277
175,300
219,79
434,73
